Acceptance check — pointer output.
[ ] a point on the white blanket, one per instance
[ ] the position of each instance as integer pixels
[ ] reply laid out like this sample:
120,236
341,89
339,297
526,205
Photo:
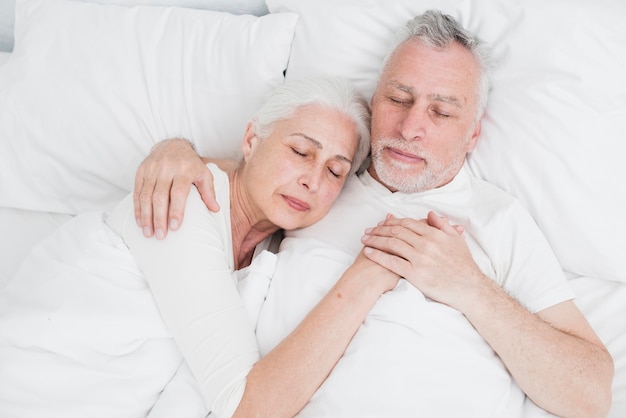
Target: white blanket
80,335
411,357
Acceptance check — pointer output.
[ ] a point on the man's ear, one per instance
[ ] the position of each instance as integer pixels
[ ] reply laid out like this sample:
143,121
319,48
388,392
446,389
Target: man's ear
249,141
474,138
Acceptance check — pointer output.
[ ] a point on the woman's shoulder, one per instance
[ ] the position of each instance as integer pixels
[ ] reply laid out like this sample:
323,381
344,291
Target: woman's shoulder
217,172
221,184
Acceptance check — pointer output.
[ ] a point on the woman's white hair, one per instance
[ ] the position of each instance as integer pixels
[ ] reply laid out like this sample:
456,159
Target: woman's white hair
329,92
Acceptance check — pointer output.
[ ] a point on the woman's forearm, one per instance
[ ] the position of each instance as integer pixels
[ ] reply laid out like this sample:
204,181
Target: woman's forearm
282,382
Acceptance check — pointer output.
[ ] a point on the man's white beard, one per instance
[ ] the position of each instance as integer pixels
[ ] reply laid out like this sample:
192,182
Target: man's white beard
393,174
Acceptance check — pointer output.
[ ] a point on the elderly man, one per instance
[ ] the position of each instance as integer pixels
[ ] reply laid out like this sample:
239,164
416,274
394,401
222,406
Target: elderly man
495,288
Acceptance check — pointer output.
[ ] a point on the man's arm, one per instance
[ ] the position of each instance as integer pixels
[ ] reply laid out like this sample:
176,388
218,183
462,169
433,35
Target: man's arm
554,355
162,185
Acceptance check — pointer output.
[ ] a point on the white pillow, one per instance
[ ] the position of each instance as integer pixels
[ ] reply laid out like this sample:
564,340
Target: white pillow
255,7
90,88
7,11
555,129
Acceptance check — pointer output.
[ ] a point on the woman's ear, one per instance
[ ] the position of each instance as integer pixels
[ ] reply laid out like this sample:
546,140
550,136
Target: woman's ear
249,141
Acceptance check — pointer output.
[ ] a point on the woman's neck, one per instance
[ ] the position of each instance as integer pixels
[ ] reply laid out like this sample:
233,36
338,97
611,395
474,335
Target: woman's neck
249,228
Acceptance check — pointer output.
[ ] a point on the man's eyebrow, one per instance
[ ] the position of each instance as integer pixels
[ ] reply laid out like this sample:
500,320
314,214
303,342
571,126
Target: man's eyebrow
436,97
402,87
319,145
453,100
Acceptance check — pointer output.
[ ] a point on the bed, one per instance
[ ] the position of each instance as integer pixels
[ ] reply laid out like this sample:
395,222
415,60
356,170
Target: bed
90,87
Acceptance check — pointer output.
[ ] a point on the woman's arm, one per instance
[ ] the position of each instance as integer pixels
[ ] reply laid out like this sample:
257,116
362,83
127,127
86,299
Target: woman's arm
191,280
282,382
209,323
163,181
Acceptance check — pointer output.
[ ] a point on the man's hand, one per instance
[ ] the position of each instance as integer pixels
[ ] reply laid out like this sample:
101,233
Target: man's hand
429,253
162,185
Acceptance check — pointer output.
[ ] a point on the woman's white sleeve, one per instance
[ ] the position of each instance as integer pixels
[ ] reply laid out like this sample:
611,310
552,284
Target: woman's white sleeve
193,286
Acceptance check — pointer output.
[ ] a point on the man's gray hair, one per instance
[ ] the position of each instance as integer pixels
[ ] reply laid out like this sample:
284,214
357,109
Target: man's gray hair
437,29
329,92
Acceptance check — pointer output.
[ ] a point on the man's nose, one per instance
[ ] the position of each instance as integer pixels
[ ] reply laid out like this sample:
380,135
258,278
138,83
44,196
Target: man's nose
413,123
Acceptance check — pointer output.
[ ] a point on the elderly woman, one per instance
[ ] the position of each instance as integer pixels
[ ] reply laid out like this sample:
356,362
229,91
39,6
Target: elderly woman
107,333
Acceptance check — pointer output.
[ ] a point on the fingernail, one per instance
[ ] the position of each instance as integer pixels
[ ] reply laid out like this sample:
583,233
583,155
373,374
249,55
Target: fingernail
138,220
173,224
368,231
147,232
160,234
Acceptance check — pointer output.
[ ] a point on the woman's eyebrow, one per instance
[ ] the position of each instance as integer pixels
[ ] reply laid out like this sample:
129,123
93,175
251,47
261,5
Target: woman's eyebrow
319,145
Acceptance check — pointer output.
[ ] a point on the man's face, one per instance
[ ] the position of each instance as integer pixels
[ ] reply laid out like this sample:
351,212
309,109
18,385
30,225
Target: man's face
423,116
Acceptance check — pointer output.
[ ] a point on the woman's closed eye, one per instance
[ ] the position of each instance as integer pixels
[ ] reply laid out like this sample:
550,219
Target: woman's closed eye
298,152
339,169
333,173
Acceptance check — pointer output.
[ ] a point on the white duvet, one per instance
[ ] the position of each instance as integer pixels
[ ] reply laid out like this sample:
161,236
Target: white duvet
80,335
411,357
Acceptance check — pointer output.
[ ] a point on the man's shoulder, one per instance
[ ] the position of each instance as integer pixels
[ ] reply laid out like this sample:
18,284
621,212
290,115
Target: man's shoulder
488,190
492,203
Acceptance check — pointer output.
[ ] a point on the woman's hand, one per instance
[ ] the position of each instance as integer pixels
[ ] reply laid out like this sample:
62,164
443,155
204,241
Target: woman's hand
162,185
374,273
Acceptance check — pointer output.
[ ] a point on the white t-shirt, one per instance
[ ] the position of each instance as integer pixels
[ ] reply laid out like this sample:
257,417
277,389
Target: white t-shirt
191,276
413,356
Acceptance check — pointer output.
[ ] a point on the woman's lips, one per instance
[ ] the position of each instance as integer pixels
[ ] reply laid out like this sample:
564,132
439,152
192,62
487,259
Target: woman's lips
296,204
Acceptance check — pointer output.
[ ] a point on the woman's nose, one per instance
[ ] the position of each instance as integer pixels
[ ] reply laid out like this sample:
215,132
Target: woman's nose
311,179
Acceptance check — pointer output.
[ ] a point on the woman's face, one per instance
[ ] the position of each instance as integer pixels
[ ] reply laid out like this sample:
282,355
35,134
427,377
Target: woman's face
293,177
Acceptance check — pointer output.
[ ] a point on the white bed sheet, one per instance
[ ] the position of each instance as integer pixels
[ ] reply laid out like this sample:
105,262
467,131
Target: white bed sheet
4,56
604,304
19,231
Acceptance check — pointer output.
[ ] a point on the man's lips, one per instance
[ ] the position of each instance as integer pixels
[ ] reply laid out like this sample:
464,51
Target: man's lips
404,156
296,204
